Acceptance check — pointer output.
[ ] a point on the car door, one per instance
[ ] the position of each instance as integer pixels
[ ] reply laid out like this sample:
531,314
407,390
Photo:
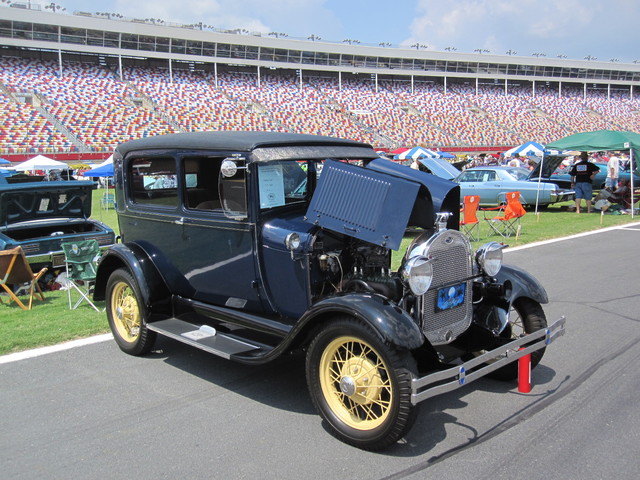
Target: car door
202,254
481,182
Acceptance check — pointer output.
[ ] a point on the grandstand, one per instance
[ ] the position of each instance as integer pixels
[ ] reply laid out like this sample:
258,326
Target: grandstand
81,83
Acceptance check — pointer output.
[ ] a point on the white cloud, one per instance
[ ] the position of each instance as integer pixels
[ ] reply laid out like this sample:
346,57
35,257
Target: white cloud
580,26
253,15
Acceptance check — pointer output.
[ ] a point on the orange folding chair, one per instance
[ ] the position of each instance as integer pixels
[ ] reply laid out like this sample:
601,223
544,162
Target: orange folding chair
469,221
15,270
506,224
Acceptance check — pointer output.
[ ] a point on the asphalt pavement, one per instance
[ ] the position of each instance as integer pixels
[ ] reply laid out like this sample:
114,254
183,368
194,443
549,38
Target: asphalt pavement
93,412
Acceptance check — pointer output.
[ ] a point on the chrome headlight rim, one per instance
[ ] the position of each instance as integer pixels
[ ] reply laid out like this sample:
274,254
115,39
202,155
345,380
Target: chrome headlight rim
293,241
418,274
489,258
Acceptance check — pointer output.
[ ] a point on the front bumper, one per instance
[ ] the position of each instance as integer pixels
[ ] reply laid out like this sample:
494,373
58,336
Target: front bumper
563,196
455,377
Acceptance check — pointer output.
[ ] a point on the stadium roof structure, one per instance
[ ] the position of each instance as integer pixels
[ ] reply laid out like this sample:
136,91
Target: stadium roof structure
116,37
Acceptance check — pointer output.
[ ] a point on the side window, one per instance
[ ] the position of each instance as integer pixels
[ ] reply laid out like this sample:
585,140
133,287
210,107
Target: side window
154,181
491,176
233,188
201,183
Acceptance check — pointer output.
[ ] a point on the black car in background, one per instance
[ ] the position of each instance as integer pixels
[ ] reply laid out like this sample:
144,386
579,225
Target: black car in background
40,216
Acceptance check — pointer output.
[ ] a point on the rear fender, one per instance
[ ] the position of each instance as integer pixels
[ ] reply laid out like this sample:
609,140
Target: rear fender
136,260
392,324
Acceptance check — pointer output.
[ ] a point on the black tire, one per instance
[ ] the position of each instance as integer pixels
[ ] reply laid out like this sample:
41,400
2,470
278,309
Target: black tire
359,385
526,316
127,314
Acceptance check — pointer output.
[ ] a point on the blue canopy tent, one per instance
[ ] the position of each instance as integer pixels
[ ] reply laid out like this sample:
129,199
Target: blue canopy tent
100,171
4,161
528,149
416,153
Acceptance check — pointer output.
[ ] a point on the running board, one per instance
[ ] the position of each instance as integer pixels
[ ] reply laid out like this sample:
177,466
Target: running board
205,337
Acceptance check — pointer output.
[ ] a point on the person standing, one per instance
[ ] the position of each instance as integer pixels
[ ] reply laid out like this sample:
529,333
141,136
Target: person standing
582,174
613,167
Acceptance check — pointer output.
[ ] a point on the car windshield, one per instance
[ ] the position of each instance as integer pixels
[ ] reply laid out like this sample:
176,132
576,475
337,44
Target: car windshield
288,182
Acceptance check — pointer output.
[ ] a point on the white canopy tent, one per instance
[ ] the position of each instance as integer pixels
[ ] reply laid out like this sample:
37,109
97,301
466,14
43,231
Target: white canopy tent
40,162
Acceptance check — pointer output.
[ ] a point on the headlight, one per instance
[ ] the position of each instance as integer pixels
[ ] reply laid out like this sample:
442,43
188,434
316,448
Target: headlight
292,241
418,273
489,257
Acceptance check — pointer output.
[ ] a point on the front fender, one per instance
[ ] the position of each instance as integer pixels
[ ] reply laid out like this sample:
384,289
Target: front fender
389,321
521,284
135,259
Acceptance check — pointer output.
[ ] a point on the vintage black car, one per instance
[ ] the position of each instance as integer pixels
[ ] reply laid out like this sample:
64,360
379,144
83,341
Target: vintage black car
249,245
40,216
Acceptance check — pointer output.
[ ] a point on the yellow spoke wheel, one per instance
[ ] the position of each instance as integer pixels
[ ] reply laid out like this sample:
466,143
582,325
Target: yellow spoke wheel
355,382
126,313
360,385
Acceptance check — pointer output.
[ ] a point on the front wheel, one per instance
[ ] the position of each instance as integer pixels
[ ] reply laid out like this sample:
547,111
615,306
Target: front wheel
360,385
126,314
526,316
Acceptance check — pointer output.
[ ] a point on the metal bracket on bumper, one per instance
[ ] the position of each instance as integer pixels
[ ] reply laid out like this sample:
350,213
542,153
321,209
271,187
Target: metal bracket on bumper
447,380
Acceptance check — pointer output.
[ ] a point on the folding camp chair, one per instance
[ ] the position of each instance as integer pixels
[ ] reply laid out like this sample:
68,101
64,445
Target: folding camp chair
81,259
506,224
15,270
469,221
108,201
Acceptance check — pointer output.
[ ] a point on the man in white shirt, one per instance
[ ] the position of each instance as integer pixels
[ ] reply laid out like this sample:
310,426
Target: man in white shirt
613,166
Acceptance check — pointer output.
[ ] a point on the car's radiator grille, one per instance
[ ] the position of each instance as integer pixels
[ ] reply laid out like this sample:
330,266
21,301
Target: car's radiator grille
451,254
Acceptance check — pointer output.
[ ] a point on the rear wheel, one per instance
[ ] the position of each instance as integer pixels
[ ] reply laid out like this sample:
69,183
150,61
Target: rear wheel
126,314
360,385
526,316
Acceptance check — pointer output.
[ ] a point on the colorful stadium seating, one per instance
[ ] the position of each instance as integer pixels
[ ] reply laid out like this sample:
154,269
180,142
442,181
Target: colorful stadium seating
86,106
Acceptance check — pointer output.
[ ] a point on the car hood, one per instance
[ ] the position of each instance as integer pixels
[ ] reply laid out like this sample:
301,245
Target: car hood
440,167
22,202
548,165
377,204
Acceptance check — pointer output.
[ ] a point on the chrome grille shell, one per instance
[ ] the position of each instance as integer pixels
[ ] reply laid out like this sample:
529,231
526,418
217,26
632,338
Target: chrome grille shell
451,257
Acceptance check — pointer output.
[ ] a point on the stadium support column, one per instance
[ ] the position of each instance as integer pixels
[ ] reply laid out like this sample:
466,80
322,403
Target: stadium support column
60,62
120,65
445,85
477,85
533,89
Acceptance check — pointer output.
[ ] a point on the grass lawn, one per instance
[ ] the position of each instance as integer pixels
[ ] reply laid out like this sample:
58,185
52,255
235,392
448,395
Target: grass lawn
53,322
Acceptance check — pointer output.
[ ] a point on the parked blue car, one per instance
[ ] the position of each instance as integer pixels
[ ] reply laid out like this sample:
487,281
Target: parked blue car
493,182
251,245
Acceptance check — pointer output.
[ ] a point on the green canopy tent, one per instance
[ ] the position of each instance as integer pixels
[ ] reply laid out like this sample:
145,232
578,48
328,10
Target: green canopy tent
603,140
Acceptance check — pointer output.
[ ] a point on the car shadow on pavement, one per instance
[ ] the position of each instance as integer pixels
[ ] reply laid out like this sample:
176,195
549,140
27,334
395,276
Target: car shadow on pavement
279,384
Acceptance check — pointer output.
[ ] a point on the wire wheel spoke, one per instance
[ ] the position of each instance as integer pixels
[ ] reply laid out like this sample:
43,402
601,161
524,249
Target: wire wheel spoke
356,382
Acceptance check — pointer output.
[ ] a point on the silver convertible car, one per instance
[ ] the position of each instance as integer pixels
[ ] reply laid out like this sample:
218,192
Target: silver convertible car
493,182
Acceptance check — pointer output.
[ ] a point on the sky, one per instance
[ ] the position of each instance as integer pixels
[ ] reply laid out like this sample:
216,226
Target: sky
605,30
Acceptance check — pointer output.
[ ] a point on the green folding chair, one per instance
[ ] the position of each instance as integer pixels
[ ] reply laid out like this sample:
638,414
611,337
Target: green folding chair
81,260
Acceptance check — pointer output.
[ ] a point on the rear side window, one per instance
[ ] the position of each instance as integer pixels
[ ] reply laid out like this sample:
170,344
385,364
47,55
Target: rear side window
154,181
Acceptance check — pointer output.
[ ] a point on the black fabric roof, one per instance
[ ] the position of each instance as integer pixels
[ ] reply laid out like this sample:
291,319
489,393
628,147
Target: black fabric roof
231,140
